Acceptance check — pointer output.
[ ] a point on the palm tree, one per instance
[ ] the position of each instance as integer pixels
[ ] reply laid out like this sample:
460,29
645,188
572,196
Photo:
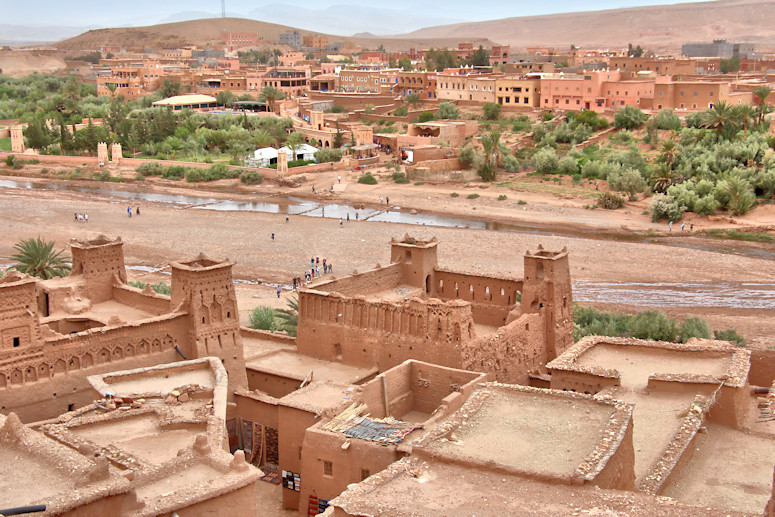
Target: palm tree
270,95
719,117
745,113
37,257
492,154
668,153
295,142
288,319
762,93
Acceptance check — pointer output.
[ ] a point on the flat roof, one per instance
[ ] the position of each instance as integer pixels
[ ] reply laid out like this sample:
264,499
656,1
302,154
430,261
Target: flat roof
413,487
530,430
296,366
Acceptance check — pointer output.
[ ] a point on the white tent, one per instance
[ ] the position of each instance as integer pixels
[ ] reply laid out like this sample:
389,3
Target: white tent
305,152
264,157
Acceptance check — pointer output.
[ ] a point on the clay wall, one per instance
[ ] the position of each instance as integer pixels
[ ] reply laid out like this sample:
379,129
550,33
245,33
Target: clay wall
394,386
491,299
379,279
65,362
580,382
422,170
619,470
19,323
510,354
762,371
111,505
237,502
261,409
323,449
154,303
432,386
292,428
273,385
363,333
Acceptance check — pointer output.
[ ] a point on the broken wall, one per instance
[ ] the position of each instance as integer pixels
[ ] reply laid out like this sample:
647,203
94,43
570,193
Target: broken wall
491,299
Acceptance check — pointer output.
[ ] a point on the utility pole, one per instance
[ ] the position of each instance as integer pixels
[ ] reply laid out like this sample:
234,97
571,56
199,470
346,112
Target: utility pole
223,8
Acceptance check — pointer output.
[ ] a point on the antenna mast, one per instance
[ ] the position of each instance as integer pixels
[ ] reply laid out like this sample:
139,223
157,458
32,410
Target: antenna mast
223,8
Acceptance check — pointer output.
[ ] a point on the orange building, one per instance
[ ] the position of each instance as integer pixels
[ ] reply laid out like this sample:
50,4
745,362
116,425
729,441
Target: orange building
422,83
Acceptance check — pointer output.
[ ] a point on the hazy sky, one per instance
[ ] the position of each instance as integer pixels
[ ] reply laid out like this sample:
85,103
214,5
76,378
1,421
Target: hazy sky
81,13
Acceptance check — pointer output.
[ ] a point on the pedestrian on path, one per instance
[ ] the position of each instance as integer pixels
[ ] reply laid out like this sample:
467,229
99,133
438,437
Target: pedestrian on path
339,178
129,211
278,291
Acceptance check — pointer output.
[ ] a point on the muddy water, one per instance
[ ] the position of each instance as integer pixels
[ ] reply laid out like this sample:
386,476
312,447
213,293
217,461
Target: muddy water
294,206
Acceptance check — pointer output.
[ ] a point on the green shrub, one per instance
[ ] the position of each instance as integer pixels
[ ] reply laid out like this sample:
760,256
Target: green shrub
472,196
502,197
665,207
401,111
402,181
249,177
610,200
447,110
568,165
44,170
9,160
368,179
511,163
161,287
730,335
262,318
693,327
150,169
419,183
174,172
629,181
738,193
706,205
491,111
425,116
139,176
455,194
546,161
337,108
467,155
629,117
521,202
546,117
653,325
666,119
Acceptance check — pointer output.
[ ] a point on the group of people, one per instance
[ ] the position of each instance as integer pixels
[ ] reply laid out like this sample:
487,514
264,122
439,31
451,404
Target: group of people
129,211
683,226
81,218
313,271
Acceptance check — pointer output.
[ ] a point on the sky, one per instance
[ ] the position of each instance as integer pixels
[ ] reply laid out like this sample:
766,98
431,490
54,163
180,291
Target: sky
393,17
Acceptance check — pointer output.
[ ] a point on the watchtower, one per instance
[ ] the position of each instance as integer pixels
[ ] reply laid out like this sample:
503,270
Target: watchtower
205,289
418,259
546,290
98,261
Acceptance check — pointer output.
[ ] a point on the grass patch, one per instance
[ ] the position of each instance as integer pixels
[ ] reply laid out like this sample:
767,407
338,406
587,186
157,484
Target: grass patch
5,144
740,236
367,179
472,196
502,197
455,194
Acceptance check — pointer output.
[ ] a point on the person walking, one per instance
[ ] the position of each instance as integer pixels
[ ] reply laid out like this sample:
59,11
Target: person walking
340,222
278,291
286,218
387,200
273,236
348,217
85,218
682,226
670,226
356,216
339,178
129,211
137,210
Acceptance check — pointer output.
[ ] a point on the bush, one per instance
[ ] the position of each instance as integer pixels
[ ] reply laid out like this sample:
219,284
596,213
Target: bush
610,201
400,177
328,155
737,193
666,119
653,325
511,163
150,169
491,111
447,110
174,172
9,160
467,155
629,117
629,181
455,194
521,202
472,196
546,161
502,197
401,111
161,287
425,116
706,205
568,165
249,177
368,179
546,117
592,169
730,335
262,318
693,327
665,207
336,108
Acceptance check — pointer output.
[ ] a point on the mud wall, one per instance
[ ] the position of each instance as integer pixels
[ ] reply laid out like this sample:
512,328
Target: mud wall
323,449
491,299
393,385
581,382
273,385
762,372
510,354
619,470
375,280
292,428
237,502
432,385
55,372
363,333
154,303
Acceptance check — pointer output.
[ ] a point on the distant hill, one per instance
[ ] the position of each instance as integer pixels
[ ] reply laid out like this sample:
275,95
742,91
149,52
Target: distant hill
207,31
656,27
